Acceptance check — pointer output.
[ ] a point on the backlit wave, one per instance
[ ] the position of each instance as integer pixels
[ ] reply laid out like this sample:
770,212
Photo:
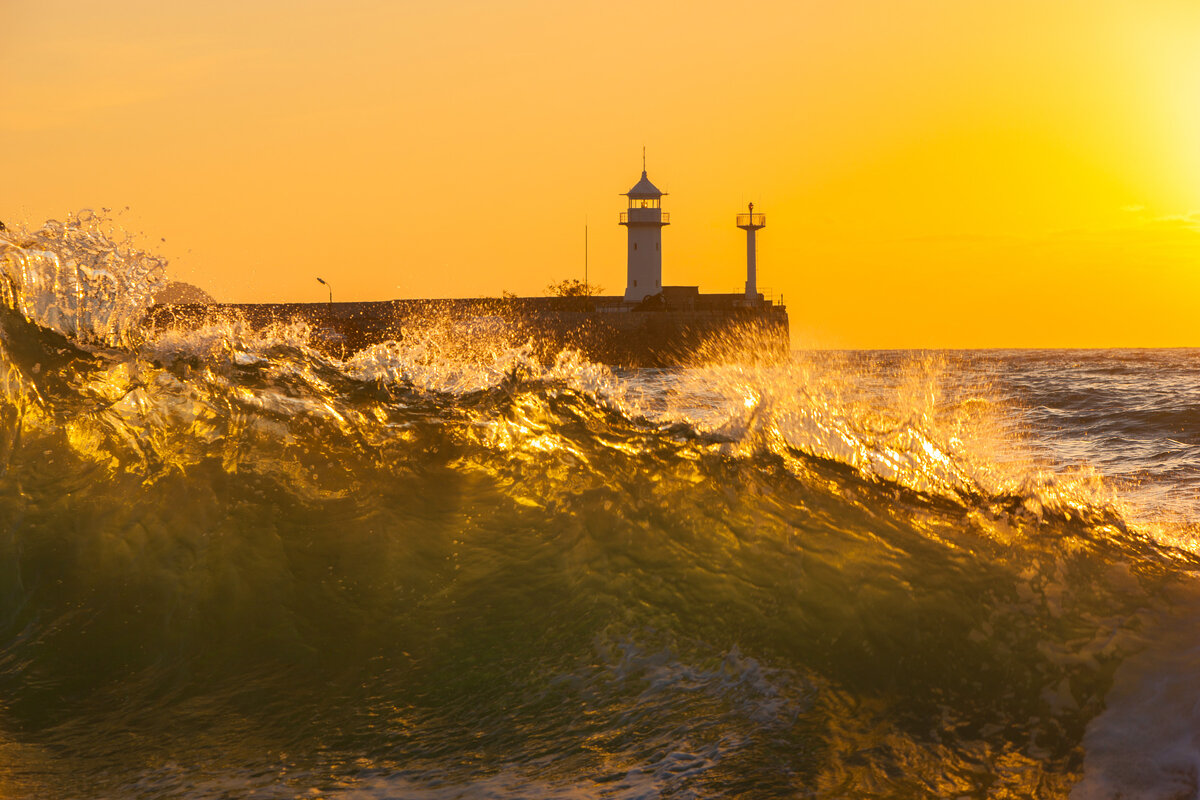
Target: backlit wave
233,564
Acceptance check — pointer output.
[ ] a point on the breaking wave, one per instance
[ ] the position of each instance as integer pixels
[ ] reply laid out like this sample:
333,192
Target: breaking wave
232,565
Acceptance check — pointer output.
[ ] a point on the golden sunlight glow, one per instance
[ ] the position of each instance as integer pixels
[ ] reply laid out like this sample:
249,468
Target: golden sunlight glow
937,173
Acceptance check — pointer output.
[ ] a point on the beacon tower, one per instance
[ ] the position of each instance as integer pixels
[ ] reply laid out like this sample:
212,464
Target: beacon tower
644,220
751,222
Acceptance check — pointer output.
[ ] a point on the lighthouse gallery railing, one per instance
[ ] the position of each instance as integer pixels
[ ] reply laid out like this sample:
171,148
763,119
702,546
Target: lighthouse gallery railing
642,216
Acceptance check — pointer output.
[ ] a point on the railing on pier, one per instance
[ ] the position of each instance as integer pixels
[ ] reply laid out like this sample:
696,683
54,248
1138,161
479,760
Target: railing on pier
768,295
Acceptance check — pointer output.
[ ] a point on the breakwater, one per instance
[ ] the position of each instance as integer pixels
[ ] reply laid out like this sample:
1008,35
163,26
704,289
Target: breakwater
705,328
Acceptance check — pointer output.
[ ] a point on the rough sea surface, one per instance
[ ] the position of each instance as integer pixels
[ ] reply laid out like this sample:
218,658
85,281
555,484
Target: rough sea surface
233,567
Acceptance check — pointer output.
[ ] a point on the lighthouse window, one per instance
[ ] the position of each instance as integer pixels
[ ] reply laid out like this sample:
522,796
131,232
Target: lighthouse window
635,245
635,283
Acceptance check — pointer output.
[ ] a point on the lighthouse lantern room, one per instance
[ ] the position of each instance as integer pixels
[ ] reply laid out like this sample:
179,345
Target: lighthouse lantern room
644,220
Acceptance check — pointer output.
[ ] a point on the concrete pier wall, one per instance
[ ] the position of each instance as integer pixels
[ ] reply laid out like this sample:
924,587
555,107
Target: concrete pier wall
602,329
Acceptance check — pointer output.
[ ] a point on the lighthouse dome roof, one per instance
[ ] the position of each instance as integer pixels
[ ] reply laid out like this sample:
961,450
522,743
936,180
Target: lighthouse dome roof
644,188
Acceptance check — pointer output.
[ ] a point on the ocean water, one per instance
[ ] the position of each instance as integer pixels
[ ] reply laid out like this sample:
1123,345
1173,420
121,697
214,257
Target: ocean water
233,567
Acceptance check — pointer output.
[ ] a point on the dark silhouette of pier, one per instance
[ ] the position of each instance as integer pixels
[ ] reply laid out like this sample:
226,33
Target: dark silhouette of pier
679,326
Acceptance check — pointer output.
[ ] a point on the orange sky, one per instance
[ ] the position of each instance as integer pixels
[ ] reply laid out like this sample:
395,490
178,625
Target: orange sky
934,174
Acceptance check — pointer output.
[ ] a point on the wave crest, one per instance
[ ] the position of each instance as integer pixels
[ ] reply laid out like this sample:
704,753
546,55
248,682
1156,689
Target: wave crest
82,277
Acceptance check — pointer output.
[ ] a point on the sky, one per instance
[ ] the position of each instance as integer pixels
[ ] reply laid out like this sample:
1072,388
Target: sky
934,173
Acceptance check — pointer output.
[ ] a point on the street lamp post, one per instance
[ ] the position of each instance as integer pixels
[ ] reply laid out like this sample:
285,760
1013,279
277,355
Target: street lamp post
327,286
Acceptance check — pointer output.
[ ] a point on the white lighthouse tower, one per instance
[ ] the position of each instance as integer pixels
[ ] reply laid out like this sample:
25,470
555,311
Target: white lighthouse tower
750,223
644,220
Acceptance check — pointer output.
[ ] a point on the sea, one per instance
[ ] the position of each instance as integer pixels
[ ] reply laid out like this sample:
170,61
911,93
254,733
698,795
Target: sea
232,566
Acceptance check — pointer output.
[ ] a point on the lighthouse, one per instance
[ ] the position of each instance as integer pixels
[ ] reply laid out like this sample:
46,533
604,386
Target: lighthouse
644,220
751,222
